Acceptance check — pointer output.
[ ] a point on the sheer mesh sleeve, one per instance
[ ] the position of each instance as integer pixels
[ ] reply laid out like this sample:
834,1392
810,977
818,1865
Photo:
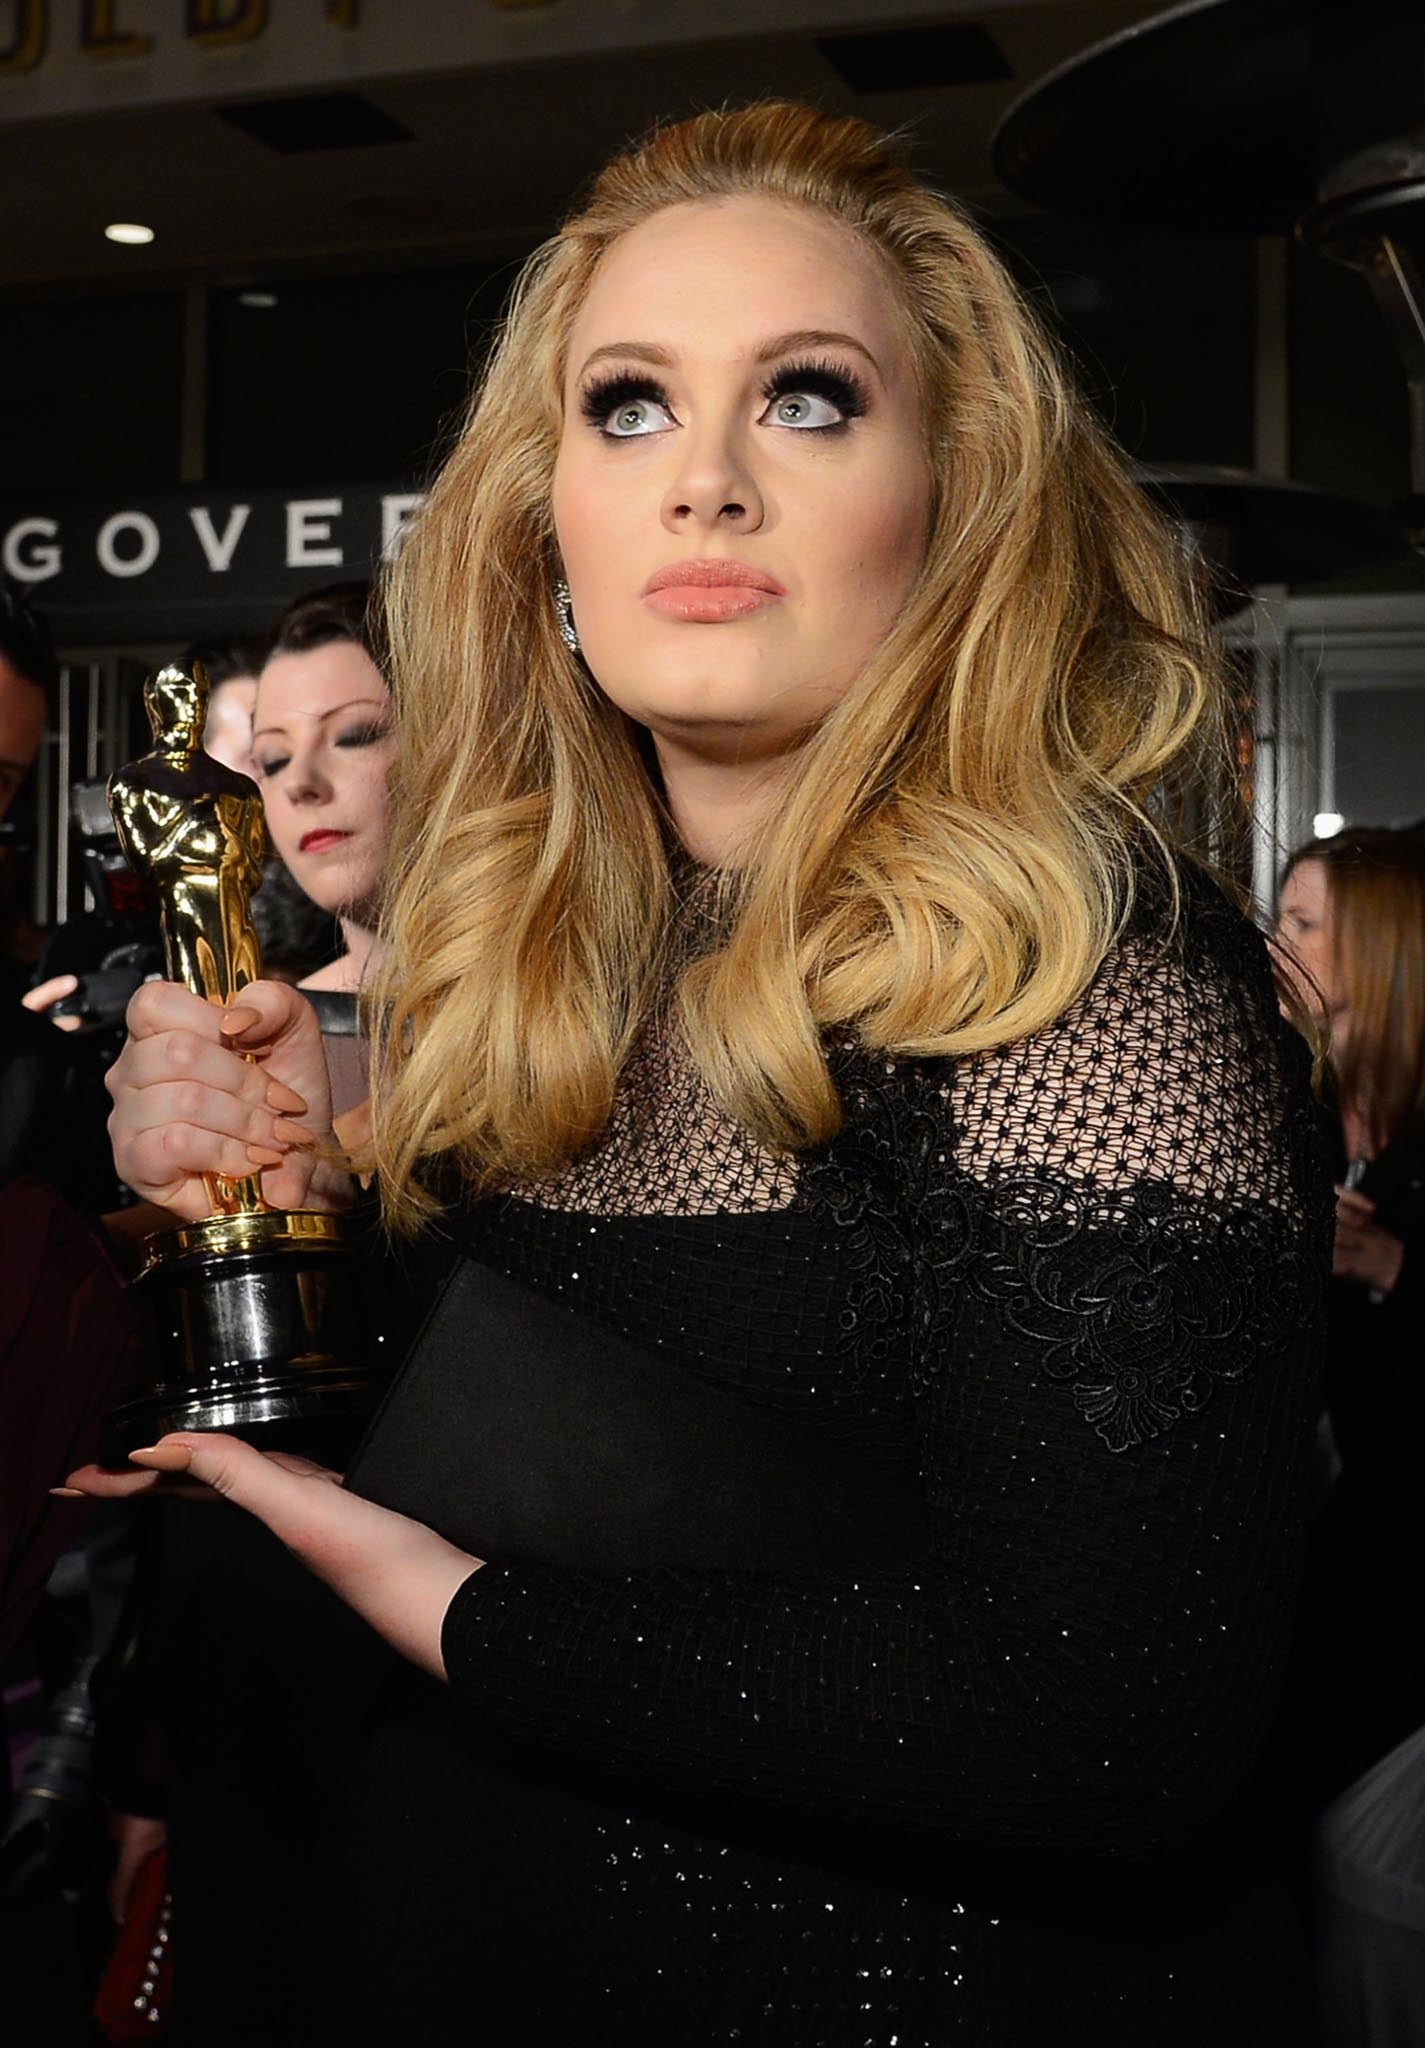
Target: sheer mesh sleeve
1103,1251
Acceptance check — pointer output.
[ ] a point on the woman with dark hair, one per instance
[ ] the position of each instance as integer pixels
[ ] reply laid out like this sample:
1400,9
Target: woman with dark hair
228,1618
323,741
842,1514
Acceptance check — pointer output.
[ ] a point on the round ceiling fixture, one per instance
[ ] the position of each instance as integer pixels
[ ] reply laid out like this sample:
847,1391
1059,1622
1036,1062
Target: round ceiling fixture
130,231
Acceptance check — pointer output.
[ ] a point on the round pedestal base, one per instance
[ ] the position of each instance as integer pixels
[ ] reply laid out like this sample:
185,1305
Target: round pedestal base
256,1327
309,1411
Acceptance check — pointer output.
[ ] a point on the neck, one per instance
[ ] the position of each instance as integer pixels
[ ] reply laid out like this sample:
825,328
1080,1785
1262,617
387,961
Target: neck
1359,1134
360,942
718,805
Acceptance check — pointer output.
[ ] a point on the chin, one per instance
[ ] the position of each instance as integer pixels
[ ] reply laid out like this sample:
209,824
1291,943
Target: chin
327,891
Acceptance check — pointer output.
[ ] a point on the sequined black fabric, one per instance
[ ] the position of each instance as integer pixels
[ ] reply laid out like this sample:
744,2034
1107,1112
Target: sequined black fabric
1002,1795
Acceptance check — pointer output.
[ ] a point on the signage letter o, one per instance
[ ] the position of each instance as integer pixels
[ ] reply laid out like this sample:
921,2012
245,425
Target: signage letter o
115,564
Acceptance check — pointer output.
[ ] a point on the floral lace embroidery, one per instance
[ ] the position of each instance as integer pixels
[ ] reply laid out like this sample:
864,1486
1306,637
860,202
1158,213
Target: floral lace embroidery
1123,1194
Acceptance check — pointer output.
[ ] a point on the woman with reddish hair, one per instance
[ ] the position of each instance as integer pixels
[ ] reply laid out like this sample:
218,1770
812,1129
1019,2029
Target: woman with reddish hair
1352,919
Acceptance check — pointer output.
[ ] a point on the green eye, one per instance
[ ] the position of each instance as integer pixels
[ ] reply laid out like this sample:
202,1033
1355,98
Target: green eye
636,416
804,409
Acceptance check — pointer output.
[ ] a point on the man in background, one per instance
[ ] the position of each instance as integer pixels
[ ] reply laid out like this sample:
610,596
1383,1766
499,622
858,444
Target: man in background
28,674
36,1134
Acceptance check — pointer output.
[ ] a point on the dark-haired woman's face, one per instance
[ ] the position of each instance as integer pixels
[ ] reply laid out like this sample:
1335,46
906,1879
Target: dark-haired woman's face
741,493
323,740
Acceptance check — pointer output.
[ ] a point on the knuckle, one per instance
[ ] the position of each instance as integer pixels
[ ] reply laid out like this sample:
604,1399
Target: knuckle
145,1006
183,1051
172,1142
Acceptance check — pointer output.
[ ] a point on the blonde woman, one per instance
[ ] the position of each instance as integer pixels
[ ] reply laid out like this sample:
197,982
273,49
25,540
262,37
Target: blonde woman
834,1083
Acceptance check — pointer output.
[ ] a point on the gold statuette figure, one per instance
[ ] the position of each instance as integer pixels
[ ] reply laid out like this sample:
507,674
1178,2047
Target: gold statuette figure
192,829
254,1316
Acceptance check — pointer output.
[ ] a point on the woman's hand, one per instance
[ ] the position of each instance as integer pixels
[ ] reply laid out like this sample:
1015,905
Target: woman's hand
186,1103
397,1574
1363,1250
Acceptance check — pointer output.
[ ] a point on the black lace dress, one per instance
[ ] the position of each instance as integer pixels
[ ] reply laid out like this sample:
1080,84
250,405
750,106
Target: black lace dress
1008,1792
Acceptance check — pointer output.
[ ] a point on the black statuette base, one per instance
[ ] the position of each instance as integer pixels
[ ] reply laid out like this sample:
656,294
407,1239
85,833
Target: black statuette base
255,1329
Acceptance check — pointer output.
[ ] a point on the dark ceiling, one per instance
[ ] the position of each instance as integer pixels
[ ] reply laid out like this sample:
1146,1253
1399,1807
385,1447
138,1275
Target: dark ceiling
476,166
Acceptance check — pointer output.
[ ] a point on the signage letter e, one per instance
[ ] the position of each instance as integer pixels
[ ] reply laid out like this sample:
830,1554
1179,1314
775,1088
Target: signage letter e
309,522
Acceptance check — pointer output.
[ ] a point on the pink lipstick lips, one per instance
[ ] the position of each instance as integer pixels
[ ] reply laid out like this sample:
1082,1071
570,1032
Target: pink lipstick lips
321,842
708,593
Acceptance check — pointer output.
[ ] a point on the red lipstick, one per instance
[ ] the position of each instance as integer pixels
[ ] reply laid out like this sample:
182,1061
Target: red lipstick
322,841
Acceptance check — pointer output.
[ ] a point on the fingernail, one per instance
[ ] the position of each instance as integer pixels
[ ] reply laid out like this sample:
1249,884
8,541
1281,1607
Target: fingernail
264,1155
279,1096
235,1022
143,1450
293,1134
68,1493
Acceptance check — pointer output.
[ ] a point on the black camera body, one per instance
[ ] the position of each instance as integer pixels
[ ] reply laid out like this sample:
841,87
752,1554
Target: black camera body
115,947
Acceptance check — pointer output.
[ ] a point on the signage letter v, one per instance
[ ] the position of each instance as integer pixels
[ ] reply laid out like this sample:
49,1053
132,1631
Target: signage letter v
219,549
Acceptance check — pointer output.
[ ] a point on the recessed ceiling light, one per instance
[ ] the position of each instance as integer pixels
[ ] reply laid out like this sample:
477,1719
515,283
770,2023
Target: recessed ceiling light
257,298
128,231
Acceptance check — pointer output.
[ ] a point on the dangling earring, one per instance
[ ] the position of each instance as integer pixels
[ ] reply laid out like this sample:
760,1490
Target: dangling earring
564,612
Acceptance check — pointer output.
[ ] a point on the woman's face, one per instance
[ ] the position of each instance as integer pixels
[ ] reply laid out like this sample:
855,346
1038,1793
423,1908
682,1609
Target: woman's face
227,732
741,493
323,740
1305,927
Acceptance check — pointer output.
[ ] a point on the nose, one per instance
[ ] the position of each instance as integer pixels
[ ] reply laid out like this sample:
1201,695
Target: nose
714,489
305,780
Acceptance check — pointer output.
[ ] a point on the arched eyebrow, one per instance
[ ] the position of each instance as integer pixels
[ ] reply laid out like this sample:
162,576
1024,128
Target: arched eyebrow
377,703
802,338
637,351
791,343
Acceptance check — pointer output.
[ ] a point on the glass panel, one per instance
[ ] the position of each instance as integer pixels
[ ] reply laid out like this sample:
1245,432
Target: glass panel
1377,751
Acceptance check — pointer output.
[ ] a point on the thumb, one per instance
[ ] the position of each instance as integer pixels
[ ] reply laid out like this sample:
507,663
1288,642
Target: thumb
232,1468
263,1013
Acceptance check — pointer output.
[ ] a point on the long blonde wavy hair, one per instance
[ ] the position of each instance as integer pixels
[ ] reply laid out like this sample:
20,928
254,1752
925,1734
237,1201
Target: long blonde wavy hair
959,847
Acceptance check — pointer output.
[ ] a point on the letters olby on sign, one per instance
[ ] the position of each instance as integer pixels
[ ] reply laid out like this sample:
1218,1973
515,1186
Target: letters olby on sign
112,28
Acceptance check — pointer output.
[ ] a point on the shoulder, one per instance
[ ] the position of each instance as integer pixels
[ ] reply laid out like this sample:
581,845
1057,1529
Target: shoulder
1174,1066
1189,976
1185,914
335,978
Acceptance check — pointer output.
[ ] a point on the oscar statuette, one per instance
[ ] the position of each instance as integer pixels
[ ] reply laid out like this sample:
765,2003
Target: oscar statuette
253,1310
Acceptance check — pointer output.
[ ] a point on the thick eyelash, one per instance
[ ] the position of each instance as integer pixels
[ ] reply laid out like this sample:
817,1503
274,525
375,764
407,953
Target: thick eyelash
620,387
363,736
834,382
